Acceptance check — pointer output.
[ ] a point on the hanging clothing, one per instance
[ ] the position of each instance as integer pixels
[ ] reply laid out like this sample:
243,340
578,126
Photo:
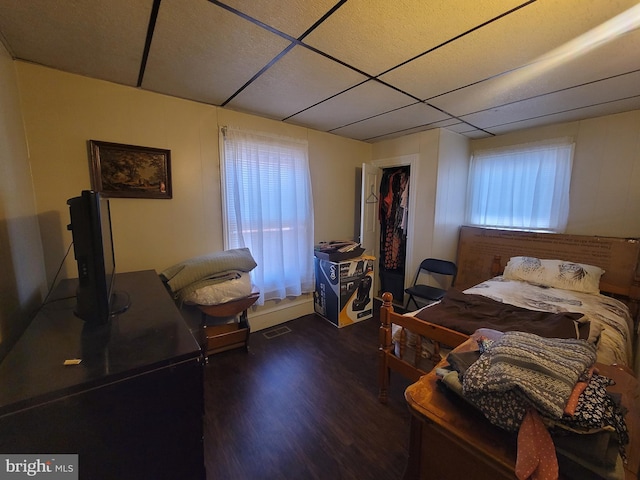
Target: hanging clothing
394,194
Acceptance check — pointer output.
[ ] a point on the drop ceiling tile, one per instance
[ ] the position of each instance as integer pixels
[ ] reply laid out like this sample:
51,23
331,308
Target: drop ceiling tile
417,116
363,101
96,39
546,77
477,134
501,46
468,130
375,35
607,91
461,127
448,124
206,53
403,133
293,17
297,81
608,108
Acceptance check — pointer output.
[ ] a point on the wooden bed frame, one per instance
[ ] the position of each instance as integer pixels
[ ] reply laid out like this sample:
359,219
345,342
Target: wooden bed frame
446,429
483,254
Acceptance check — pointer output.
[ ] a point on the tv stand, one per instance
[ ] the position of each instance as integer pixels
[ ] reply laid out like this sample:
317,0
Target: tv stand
131,409
120,302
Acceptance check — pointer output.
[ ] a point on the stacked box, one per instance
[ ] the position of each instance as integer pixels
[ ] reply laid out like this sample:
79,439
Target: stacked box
344,290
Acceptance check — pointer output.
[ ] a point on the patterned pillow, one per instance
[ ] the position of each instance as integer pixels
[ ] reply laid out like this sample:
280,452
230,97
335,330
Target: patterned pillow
578,277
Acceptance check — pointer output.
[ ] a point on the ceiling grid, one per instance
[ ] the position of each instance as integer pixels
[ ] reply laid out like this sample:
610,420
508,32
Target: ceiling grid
364,69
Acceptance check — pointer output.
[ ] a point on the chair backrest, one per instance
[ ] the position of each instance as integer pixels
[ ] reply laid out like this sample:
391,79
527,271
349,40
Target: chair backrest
437,266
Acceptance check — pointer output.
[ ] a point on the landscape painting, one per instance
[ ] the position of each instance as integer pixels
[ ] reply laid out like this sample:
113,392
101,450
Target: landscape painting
119,170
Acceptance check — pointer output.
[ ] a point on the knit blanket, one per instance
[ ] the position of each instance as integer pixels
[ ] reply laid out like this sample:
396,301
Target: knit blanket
543,370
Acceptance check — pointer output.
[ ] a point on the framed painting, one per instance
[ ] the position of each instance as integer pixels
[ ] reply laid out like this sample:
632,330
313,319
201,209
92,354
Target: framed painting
119,170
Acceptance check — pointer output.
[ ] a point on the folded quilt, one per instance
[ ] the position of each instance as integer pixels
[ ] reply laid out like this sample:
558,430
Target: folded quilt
516,373
204,267
545,370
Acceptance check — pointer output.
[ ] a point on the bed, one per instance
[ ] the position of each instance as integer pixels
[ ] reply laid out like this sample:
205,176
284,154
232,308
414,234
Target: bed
412,344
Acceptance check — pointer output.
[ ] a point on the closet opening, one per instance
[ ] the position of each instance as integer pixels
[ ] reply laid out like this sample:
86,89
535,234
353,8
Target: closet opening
393,217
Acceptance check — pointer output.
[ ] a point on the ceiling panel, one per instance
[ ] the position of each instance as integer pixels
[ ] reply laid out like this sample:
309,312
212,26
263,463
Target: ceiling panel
293,17
388,33
545,77
363,101
616,88
305,76
363,66
448,124
394,122
608,108
93,38
501,46
205,52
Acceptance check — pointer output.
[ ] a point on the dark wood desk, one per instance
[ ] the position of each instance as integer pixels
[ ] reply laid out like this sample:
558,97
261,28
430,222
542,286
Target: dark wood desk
451,440
131,409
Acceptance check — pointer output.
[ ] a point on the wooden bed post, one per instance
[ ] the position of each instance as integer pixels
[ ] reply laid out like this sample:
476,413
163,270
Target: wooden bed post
385,346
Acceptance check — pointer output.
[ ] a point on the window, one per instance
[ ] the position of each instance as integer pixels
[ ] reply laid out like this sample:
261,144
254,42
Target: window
268,208
522,187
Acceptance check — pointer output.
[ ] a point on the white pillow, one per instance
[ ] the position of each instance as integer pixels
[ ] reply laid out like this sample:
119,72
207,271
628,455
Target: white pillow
578,277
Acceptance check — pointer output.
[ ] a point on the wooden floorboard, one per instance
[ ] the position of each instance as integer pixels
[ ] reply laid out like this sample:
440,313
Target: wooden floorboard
303,405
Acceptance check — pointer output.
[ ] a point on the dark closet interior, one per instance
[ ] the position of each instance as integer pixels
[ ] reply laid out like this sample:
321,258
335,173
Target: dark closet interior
393,215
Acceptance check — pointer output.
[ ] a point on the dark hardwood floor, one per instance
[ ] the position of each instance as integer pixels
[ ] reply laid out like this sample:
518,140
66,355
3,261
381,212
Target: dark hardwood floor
304,405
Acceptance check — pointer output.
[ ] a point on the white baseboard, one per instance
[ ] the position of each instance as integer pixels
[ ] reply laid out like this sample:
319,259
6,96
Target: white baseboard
276,312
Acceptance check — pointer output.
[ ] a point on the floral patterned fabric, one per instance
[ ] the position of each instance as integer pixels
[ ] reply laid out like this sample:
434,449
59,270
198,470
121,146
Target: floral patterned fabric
555,273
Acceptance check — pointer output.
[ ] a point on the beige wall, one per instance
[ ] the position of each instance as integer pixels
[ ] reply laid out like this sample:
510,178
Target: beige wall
453,170
63,111
422,187
22,279
438,190
605,182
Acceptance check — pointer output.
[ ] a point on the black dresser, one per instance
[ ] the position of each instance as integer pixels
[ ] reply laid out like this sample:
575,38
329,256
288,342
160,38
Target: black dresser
131,409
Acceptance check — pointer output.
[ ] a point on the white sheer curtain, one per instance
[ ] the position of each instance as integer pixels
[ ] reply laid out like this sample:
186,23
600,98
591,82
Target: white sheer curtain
521,186
268,208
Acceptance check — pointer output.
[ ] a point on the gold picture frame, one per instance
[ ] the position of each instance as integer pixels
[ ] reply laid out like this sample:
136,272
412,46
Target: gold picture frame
130,171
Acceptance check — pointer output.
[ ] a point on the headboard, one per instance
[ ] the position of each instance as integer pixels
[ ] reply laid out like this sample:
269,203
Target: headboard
483,253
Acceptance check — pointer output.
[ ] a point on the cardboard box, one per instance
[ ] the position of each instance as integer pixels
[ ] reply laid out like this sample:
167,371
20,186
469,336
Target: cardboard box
344,290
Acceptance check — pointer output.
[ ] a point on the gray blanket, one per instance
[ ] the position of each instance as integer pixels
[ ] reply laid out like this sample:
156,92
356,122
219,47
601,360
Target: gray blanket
207,266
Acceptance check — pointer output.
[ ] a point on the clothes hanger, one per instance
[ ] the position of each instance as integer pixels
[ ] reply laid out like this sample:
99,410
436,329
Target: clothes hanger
372,198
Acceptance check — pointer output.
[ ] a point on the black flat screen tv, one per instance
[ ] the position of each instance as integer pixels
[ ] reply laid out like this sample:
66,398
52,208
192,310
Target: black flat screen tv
96,299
